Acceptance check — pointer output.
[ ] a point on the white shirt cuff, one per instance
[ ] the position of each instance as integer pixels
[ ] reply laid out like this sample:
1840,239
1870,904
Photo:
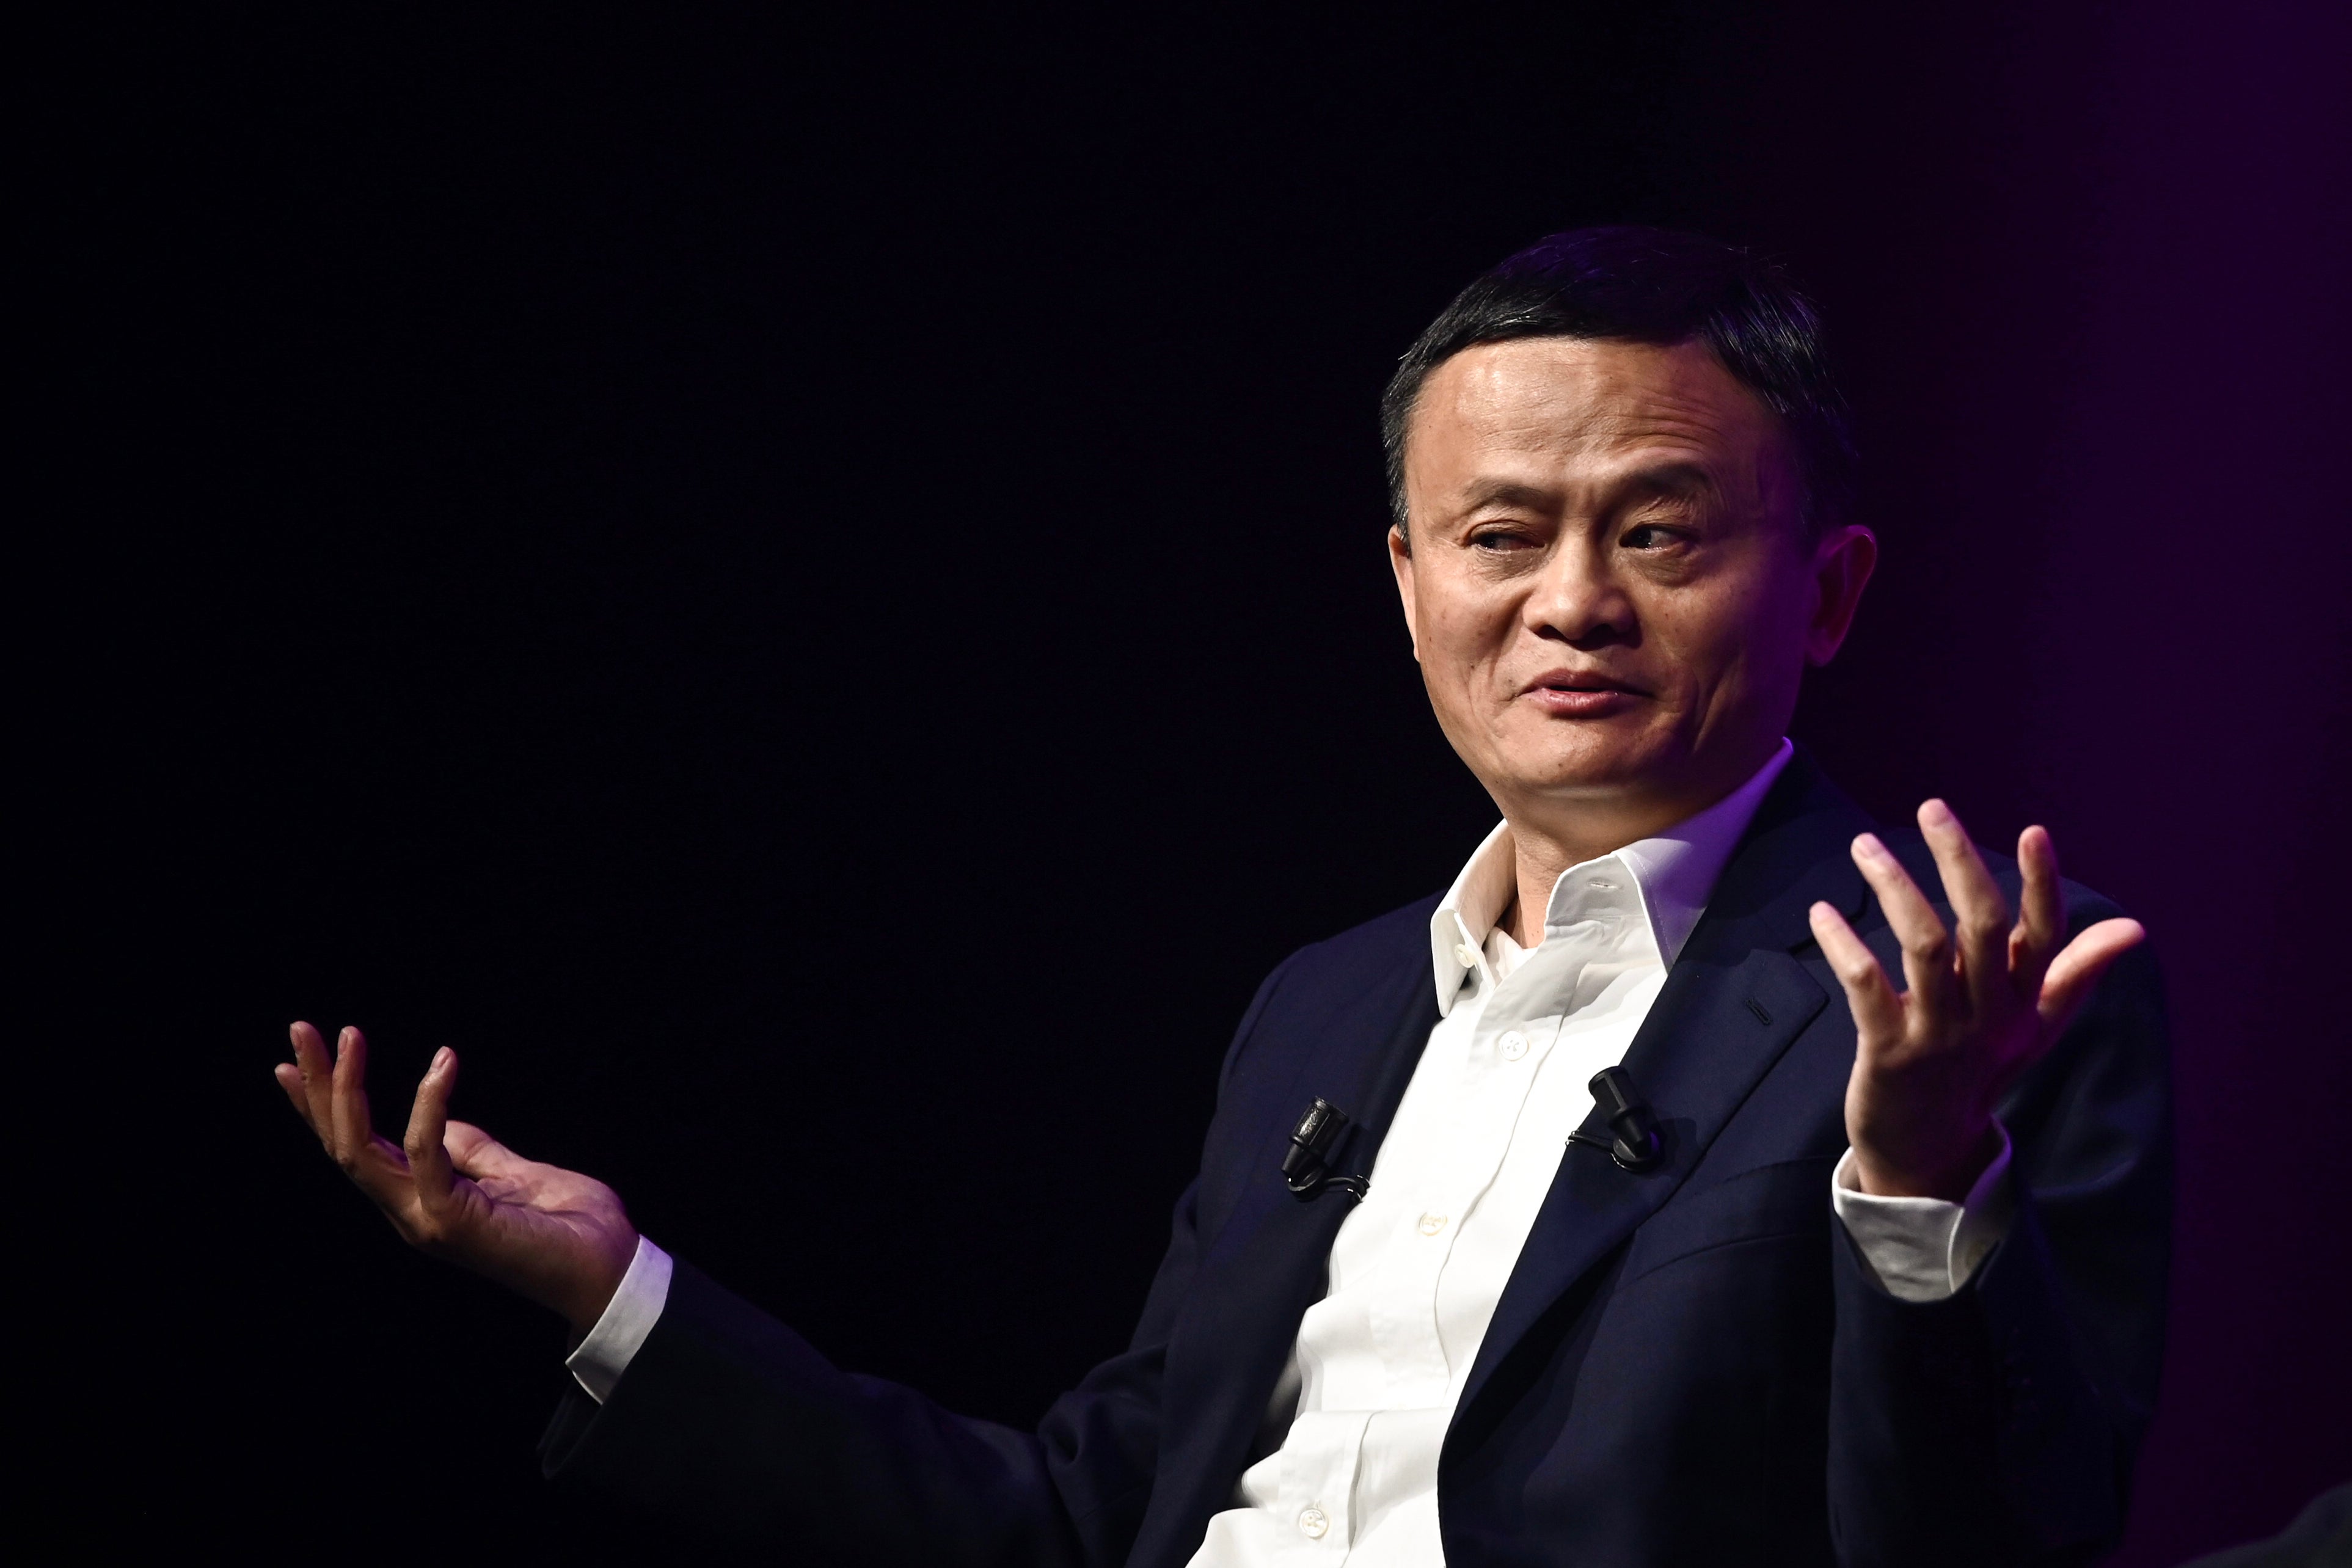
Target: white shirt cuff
628,1317
1923,1248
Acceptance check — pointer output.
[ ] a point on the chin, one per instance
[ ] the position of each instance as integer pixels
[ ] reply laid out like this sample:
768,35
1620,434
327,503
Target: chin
1590,754
1587,769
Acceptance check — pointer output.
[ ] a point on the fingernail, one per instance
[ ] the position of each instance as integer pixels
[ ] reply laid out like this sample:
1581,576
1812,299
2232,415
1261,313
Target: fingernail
441,1060
1868,844
1936,812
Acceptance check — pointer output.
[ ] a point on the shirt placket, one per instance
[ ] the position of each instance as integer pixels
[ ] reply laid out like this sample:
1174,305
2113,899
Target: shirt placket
1319,1483
1402,1314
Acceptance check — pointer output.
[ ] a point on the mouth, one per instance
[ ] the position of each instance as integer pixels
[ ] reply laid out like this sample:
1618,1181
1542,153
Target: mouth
1581,694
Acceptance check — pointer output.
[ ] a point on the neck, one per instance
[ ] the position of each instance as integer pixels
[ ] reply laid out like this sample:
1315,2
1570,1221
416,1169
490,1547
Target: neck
1549,840
1541,860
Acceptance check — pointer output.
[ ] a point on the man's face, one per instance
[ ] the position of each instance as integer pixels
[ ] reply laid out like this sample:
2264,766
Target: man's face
1611,588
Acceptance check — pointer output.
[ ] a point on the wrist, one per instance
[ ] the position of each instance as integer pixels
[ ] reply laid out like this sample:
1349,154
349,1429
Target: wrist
583,1306
1948,1180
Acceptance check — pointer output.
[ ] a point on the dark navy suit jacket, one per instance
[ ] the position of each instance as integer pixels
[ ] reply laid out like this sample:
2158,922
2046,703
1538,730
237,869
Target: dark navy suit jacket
1689,1366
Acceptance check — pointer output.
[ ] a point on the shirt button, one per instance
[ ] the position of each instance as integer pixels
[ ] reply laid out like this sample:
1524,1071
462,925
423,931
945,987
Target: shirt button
1431,1224
1514,1046
1467,955
1313,1522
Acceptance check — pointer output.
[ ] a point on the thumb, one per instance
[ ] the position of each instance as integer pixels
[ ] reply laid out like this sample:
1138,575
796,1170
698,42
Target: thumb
477,1153
2078,967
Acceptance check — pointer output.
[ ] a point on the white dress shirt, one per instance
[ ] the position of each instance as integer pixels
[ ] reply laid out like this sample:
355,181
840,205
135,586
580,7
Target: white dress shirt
1418,1267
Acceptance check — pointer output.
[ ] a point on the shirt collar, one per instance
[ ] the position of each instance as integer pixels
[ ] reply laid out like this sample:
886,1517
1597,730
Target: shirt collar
1676,871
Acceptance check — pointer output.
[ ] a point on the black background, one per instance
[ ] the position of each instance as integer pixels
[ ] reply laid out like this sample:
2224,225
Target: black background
809,592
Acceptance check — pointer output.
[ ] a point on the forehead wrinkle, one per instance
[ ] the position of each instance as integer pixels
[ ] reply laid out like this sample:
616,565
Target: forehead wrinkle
1516,404
1594,420
1608,454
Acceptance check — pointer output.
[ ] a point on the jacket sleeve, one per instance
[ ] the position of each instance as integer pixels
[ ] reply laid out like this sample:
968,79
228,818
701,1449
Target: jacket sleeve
2000,1425
731,1427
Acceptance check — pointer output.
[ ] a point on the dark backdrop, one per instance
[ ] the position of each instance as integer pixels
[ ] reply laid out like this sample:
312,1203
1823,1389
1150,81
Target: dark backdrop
810,594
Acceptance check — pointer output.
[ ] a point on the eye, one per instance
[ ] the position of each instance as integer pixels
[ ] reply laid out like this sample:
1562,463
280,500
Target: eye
1653,537
1501,541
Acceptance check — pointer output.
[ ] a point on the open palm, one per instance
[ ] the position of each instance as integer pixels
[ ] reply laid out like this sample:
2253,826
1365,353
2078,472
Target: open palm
1982,1002
449,1188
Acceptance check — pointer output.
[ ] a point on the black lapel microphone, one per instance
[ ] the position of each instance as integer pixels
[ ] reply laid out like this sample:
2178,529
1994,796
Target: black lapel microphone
1635,1143
1306,1166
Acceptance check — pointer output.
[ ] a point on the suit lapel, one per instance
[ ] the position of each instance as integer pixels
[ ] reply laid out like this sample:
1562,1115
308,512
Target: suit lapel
1267,1263
1733,1002
1362,1066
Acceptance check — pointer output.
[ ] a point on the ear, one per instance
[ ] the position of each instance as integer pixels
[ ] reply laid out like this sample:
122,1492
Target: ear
1842,562
1400,562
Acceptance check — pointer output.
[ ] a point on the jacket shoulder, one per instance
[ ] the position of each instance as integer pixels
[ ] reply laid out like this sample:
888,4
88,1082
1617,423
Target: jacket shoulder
1377,948
1325,979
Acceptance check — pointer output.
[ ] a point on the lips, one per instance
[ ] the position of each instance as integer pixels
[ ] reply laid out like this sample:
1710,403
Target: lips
1581,680
1581,694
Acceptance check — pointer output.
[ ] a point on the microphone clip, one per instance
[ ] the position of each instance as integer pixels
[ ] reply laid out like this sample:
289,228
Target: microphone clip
1633,1142
1305,1167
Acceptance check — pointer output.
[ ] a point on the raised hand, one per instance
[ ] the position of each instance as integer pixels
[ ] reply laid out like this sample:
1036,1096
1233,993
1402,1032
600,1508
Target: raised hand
554,1236
1978,1007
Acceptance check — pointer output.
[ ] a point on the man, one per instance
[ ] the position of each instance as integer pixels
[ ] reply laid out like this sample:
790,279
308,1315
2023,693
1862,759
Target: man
1861,1257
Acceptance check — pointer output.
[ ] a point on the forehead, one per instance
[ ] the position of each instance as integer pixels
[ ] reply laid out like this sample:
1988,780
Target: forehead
1584,406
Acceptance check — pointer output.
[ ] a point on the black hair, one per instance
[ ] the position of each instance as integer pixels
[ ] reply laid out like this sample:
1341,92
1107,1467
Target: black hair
1652,285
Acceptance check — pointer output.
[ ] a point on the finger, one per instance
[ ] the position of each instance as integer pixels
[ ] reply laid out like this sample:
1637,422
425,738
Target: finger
1979,911
428,1119
2076,970
1877,1010
1927,946
2040,912
318,1082
353,1128
289,1078
477,1153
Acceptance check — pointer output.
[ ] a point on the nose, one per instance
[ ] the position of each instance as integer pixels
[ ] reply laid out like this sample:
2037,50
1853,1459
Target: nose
1578,602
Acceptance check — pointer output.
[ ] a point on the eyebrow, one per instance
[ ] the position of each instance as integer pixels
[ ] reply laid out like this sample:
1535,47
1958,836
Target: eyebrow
1674,478
1670,479
1509,493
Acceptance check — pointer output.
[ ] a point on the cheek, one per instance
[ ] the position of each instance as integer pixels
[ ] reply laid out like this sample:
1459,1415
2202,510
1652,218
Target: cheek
1701,629
1462,629
1716,636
